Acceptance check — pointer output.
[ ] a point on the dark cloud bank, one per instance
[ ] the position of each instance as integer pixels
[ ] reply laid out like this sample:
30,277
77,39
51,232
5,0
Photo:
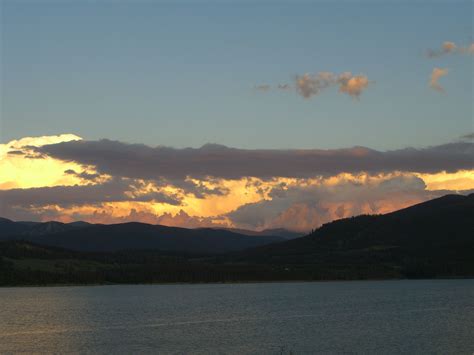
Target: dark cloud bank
66,196
143,162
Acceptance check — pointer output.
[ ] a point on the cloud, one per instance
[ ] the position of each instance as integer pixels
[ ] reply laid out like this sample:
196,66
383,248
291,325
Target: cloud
306,206
22,167
263,87
449,47
115,190
153,163
83,175
104,215
16,152
309,85
436,74
110,182
446,48
197,188
469,136
352,85
468,49
293,204
183,219
284,87
267,87
459,181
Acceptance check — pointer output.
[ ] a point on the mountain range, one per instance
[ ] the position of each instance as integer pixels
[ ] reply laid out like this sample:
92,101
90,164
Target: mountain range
83,236
428,240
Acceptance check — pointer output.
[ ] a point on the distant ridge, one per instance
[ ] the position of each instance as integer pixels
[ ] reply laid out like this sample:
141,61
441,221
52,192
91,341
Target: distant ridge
82,236
279,232
11,228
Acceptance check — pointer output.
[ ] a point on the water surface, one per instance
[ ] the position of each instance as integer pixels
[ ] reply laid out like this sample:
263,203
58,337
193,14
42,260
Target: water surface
268,318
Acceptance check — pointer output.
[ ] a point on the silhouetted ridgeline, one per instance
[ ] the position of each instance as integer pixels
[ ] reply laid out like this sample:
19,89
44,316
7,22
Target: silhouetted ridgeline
432,239
131,236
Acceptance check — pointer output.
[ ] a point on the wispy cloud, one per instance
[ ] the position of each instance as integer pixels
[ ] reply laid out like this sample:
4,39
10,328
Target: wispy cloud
284,86
446,48
469,136
263,87
436,74
308,85
449,47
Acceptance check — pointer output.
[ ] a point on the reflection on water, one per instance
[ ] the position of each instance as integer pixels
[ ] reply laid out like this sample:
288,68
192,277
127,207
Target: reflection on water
370,317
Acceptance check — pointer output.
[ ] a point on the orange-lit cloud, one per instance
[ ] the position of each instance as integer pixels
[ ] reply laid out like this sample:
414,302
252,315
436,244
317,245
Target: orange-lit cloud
301,204
459,181
436,74
352,85
309,85
20,168
449,47
110,182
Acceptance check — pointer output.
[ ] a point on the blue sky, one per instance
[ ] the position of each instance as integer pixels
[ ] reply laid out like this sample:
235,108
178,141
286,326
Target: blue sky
184,75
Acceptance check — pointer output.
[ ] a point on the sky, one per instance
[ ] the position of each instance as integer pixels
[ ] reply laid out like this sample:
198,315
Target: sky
233,113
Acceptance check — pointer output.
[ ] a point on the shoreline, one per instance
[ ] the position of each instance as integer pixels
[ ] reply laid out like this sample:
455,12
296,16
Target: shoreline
235,282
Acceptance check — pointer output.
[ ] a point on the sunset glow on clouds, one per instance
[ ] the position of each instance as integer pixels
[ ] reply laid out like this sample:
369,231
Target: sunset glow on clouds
20,169
65,178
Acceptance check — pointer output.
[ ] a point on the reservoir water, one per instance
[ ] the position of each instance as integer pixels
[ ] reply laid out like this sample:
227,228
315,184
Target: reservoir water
423,316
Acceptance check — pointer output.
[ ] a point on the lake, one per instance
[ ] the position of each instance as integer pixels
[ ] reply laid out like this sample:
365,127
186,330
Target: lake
266,318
